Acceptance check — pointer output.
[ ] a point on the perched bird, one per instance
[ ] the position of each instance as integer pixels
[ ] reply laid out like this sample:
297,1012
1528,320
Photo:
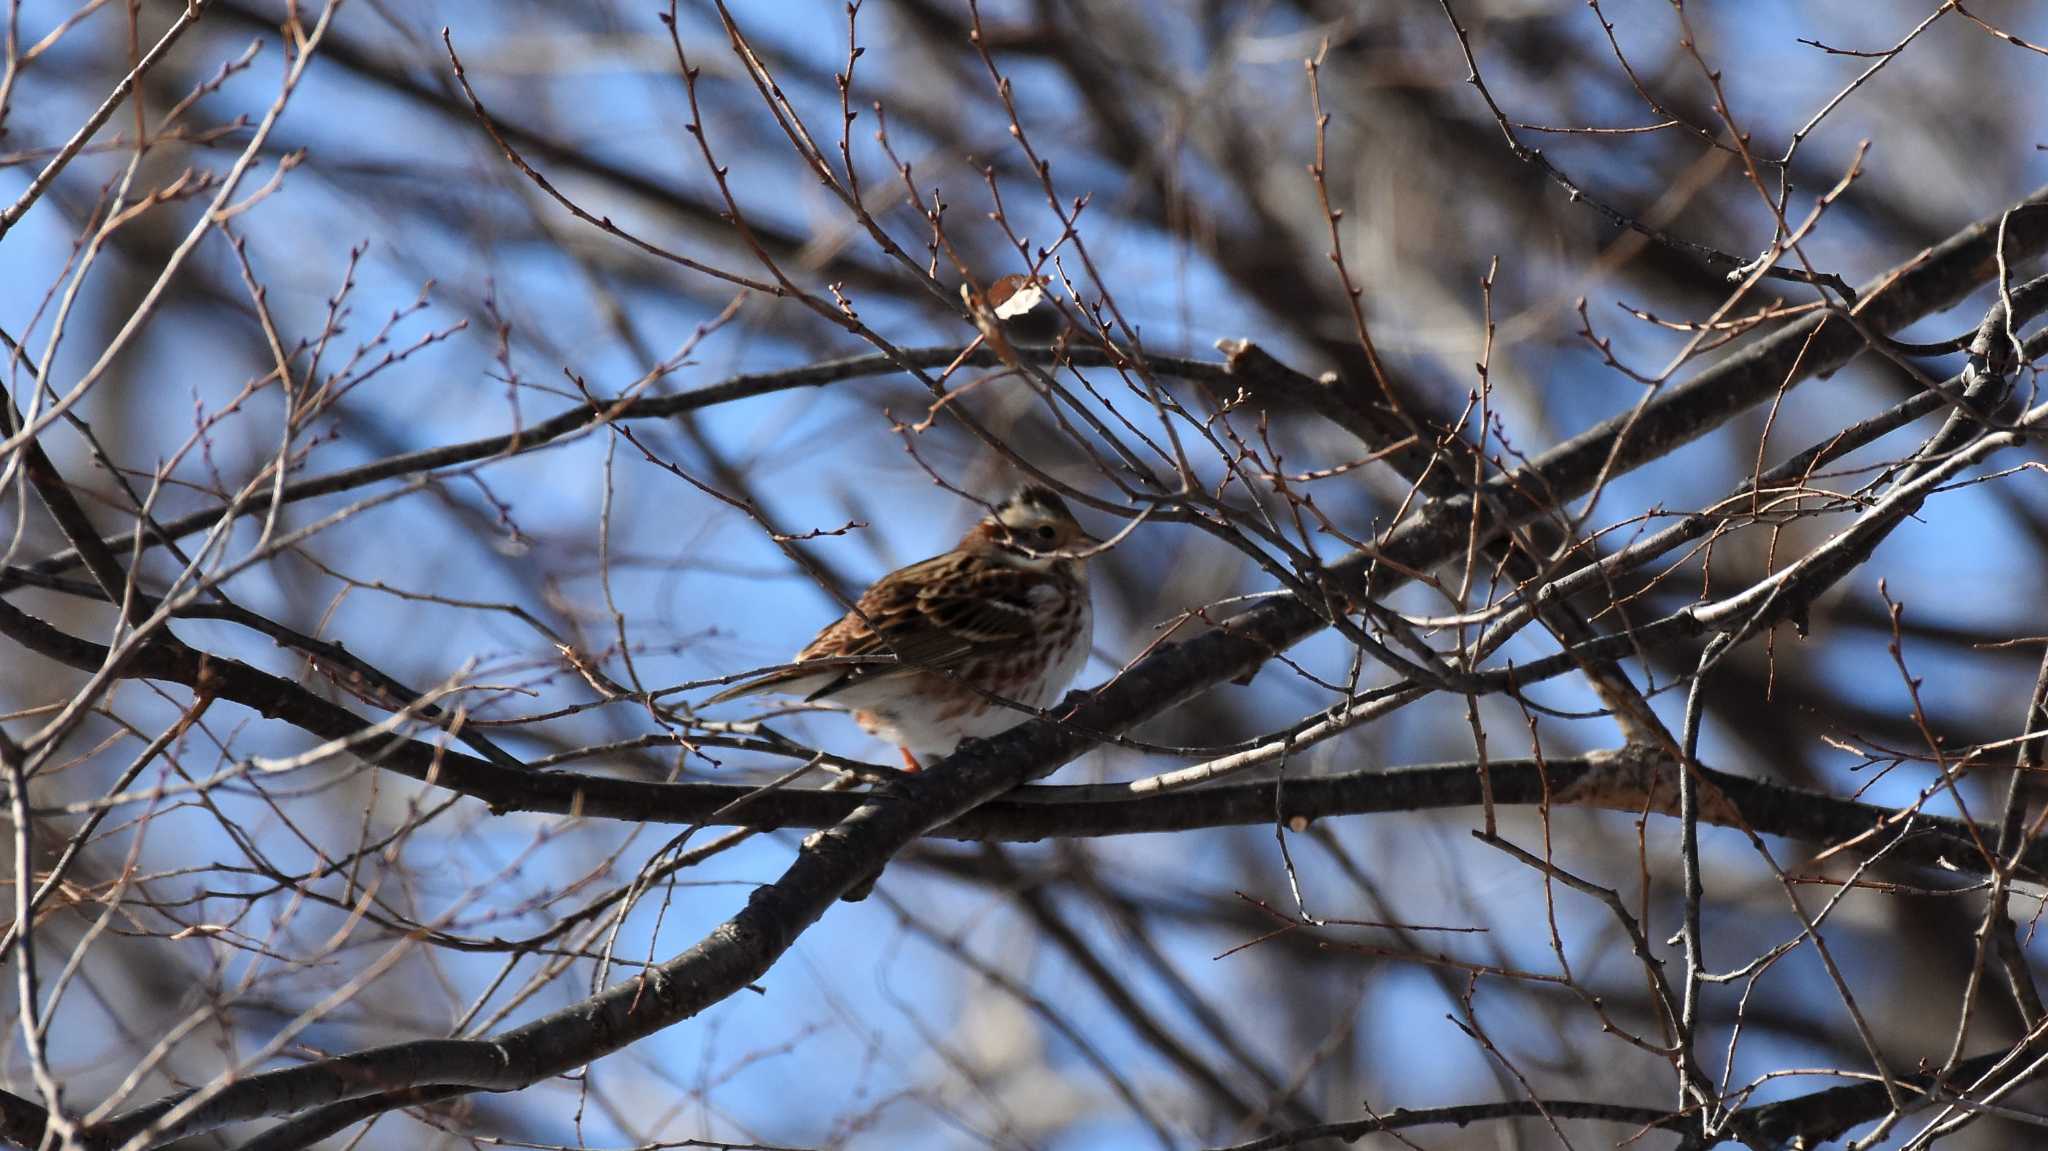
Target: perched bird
1003,618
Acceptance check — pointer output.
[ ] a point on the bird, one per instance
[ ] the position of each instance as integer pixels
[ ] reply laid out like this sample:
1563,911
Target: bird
966,644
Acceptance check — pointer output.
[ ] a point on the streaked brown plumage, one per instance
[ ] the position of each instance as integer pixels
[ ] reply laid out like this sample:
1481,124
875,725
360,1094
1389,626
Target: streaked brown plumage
1005,613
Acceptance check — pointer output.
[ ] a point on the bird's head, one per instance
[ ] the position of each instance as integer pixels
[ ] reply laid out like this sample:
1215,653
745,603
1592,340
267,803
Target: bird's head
1032,528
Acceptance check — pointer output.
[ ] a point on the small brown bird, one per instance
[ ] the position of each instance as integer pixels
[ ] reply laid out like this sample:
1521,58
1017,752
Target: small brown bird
1004,616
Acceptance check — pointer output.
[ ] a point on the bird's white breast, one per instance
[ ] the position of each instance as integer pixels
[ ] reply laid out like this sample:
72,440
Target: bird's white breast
1069,660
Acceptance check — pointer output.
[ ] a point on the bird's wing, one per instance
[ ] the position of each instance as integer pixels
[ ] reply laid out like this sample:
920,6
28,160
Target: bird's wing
929,615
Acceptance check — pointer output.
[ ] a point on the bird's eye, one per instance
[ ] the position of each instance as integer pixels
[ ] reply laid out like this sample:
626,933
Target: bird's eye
1045,532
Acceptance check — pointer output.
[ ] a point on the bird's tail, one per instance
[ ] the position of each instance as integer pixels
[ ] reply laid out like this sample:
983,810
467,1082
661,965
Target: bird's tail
799,682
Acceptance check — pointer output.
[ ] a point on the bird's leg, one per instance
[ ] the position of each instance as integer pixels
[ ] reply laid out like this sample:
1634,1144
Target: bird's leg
910,761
